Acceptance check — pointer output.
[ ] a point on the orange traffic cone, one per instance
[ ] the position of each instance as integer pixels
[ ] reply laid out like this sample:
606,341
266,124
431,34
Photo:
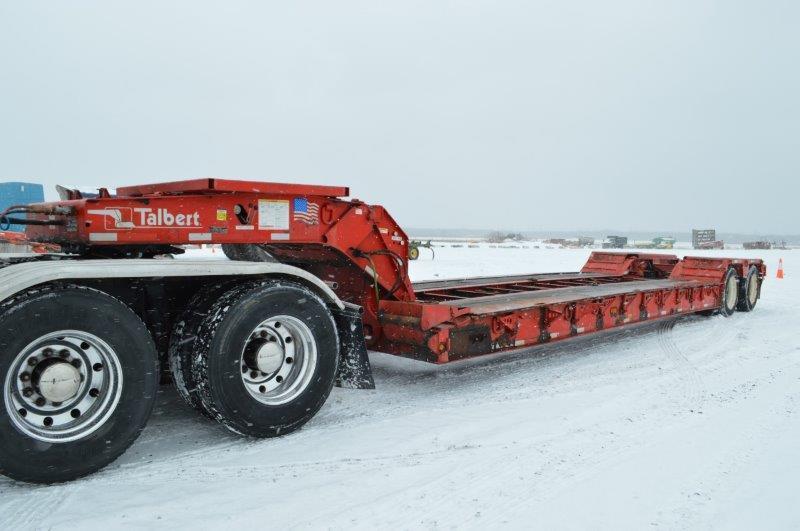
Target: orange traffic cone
779,274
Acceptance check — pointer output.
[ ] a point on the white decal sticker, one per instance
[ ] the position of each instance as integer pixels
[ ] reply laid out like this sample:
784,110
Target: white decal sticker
115,218
273,214
126,218
162,218
102,236
199,236
280,236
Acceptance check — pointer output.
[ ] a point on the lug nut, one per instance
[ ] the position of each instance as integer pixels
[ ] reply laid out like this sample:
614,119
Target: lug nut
27,392
263,333
24,376
64,353
253,374
32,361
40,401
47,352
76,363
244,369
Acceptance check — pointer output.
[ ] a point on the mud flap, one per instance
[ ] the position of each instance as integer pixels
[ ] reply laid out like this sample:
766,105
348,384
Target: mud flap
355,371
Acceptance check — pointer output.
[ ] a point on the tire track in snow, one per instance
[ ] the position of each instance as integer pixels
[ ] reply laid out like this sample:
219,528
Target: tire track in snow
689,375
36,507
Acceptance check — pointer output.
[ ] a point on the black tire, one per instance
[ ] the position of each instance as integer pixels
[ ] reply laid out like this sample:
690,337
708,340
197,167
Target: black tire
246,252
52,309
222,337
231,250
730,293
749,291
183,341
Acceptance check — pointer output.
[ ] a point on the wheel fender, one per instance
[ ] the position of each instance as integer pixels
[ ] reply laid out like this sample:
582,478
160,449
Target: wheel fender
19,277
355,371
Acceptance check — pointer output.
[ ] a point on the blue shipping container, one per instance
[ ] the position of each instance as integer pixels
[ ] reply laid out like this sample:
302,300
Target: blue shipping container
19,194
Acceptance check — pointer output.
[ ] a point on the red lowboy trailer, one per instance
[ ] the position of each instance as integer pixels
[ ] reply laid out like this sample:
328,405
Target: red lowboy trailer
258,345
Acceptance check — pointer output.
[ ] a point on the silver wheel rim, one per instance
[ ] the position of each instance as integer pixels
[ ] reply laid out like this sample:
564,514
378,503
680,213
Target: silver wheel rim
278,360
63,386
731,292
752,289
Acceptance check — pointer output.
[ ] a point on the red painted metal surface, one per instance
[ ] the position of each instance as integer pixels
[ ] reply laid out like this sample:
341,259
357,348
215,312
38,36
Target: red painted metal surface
361,250
214,185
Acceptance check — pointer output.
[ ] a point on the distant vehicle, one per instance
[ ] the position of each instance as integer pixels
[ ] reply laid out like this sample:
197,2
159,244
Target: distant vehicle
664,242
615,242
414,246
716,244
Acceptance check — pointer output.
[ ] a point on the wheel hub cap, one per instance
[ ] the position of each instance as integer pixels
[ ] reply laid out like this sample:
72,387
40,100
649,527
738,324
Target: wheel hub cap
59,382
269,357
278,360
62,386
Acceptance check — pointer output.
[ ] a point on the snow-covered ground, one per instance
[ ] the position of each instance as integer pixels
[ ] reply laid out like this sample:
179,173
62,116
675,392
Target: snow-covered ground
692,425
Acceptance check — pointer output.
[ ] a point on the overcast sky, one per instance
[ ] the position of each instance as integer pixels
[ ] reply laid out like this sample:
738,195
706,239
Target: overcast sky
475,114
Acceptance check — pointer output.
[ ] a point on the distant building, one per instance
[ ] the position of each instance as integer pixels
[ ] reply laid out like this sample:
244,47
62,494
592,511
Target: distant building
15,193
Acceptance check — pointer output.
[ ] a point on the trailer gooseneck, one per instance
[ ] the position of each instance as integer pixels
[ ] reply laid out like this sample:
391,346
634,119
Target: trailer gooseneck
257,345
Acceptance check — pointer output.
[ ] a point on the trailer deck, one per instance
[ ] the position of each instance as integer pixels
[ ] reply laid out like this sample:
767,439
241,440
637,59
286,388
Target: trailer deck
461,318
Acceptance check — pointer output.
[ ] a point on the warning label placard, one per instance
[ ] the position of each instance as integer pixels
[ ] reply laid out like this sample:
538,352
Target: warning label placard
273,214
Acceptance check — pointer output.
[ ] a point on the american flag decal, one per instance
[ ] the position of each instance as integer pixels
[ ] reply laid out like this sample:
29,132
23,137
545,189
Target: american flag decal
305,212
